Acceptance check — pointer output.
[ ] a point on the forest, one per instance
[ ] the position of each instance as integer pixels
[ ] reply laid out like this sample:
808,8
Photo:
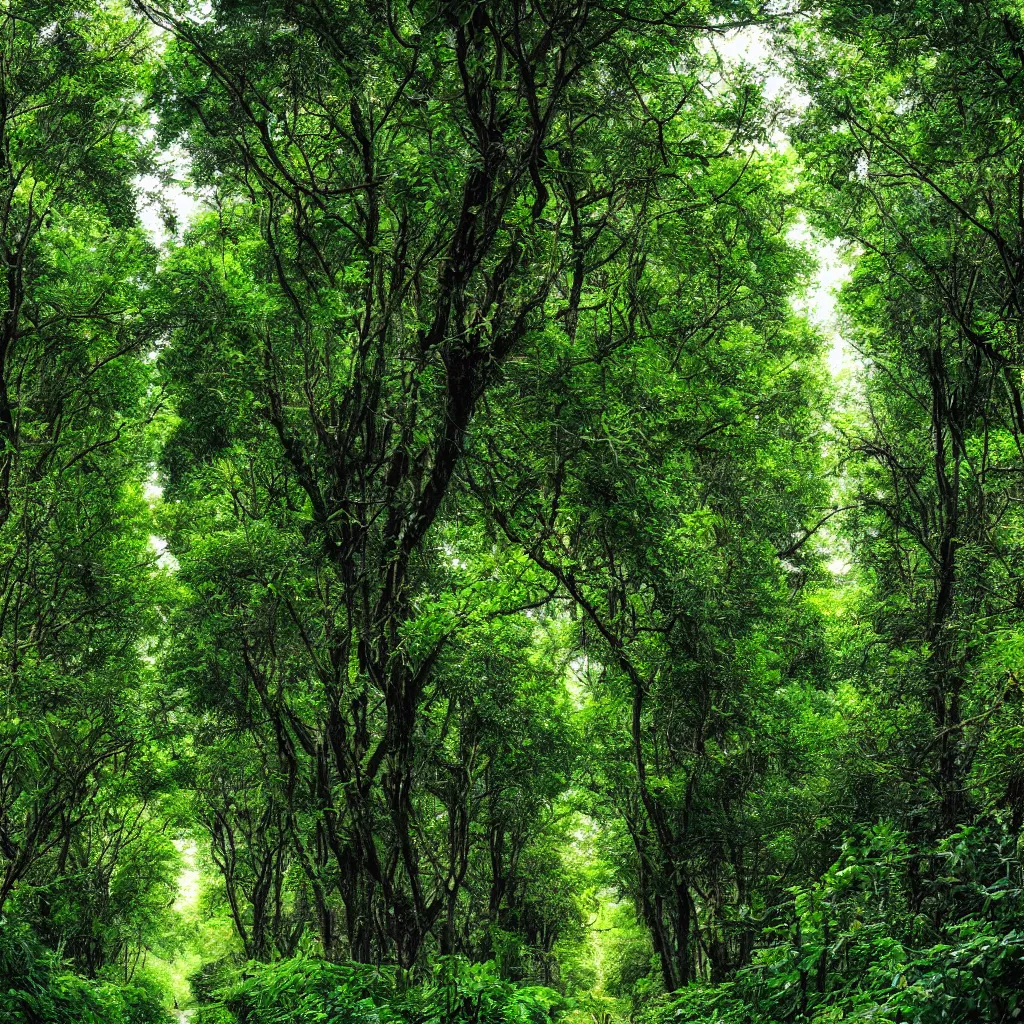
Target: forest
511,511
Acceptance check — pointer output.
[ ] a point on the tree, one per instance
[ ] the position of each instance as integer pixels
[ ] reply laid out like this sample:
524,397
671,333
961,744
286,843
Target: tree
668,483
915,161
76,568
397,192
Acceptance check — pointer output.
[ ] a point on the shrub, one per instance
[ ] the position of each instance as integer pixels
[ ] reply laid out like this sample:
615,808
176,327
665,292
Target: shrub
304,991
37,987
464,993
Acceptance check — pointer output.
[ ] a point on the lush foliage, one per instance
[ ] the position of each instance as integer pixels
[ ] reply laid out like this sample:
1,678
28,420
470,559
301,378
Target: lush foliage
302,990
450,571
39,987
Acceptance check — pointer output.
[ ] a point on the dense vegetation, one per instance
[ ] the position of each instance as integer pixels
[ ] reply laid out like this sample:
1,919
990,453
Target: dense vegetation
452,566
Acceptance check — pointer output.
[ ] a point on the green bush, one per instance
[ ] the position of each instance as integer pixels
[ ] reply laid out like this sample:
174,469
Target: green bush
304,991
37,988
463,993
887,934
707,1004
213,1014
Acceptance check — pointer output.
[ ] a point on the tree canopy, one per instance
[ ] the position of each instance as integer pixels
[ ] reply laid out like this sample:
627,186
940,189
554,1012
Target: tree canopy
454,567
